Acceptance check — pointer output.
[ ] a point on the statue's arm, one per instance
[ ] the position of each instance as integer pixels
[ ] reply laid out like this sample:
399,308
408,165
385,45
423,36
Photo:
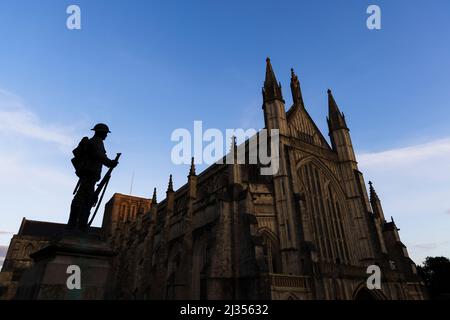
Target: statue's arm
100,154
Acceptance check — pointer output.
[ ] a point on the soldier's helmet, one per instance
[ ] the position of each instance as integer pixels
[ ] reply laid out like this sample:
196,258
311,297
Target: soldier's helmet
101,127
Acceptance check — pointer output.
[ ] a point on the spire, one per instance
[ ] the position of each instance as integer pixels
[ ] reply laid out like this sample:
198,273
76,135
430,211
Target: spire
231,157
192,170
170,187
336,119
234,170
272,89
373,194
375,202
233,142
295,89
154,196
234,148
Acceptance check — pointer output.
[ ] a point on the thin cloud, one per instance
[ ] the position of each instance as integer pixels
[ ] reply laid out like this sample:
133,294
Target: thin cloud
425,166
413,183
19,164
431,245
5,232
3,251
16,118
35,180
14,169
426,246
406,155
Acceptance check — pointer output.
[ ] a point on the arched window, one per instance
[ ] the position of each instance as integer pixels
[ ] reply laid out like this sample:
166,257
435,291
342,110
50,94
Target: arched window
323,205
132,215
271,252
201,256
123,213
28,249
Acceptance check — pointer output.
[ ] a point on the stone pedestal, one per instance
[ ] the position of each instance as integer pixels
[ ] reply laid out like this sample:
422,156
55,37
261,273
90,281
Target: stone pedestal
47,278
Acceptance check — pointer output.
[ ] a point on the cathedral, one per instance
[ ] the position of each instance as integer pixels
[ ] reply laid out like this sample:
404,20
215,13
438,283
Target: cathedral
308,232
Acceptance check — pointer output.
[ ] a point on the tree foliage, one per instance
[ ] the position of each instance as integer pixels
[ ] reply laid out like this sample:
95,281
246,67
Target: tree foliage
435,271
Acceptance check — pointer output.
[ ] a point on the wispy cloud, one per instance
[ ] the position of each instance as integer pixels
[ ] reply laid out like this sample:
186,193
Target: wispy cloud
35,180
431,245
422,168
3,251
5,232
16,118
18,170
413,183
407,155
19,164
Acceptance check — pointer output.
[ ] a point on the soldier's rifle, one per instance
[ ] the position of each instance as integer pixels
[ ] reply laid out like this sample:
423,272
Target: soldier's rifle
101,188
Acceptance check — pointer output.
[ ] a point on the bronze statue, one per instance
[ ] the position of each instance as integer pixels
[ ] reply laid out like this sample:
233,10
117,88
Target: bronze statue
90,156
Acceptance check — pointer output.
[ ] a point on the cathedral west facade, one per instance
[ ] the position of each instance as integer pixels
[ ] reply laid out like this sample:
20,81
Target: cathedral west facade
307,232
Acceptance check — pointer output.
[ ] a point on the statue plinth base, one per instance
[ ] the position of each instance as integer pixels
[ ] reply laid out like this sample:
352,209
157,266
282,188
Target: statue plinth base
51,278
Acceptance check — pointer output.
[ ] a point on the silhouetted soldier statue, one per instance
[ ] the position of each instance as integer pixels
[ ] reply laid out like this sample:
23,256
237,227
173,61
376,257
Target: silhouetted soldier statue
90,156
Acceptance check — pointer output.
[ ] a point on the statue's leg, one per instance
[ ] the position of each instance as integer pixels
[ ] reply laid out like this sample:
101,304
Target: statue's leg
87,187
71,224
76,208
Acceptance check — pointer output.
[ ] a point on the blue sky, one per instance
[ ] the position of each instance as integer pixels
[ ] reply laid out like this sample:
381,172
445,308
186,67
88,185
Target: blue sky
148,67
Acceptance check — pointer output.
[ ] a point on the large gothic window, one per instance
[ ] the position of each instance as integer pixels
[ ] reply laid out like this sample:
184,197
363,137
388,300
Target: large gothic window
324,209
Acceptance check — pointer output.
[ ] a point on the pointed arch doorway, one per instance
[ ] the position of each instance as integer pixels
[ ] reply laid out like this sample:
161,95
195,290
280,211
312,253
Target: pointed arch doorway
363,293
